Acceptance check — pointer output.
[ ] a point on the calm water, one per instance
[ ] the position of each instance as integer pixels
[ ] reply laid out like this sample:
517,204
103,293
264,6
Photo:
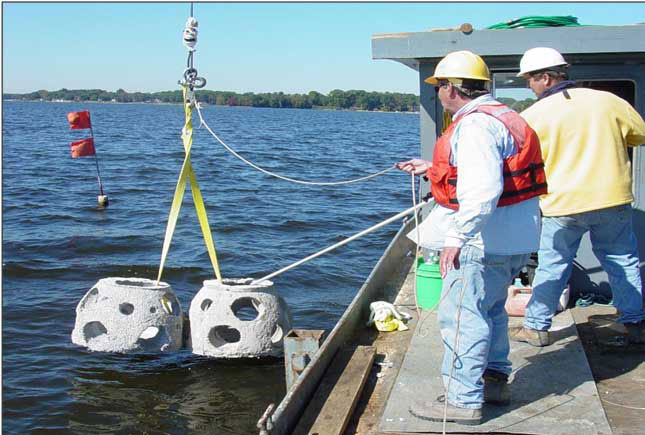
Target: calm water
57,244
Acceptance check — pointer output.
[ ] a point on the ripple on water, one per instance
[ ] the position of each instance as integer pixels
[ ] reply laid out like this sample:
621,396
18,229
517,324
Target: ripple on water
57,244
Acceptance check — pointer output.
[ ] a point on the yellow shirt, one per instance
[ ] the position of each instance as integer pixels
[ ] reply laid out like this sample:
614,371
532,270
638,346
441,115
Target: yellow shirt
584,143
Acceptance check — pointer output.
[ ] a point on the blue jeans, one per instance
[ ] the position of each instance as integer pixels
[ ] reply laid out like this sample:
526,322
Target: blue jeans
613,243
481,283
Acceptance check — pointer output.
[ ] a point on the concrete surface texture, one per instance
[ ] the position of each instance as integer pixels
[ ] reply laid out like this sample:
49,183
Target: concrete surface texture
129,315
234,319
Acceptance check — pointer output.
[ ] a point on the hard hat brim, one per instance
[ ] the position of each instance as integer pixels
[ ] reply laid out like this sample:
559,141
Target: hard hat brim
433,80
526,73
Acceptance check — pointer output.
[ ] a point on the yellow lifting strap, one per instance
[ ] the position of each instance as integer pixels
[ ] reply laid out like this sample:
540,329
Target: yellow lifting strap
187,171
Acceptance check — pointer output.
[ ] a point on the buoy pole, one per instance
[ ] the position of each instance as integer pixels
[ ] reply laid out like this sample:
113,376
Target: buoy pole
102,198
349,239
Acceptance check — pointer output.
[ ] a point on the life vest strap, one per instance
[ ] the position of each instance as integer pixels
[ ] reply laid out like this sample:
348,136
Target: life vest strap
532,167
533,188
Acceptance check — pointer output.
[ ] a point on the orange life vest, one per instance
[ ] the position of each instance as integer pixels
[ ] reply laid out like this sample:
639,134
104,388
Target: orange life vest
524,176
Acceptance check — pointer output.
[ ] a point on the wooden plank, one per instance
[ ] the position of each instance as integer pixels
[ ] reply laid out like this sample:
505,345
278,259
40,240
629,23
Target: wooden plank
335,399
393,260
391,349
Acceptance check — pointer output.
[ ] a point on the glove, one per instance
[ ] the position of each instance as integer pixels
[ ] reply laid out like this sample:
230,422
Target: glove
386,317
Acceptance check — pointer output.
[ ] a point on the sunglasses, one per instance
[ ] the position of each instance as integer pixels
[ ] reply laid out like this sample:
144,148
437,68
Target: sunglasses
441,85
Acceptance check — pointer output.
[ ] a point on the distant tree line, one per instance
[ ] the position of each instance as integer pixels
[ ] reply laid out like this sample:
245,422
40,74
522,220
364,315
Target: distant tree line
516,105
336,99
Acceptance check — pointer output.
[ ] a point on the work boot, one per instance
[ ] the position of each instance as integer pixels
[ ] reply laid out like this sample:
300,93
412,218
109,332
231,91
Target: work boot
432,410
496,389
635,333
531,336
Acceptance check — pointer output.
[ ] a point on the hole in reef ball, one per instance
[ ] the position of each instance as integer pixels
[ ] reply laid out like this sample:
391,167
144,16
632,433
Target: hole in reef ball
245,308
206,304
223,334
126,308
93,329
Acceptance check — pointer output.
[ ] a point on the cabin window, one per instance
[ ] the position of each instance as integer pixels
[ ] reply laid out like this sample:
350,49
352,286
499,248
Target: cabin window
512,91
625,89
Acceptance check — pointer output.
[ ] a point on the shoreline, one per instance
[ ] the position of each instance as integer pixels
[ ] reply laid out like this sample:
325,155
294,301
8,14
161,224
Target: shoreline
161,103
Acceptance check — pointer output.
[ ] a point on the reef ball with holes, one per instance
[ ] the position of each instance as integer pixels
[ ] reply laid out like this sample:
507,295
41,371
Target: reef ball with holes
237,319
129,315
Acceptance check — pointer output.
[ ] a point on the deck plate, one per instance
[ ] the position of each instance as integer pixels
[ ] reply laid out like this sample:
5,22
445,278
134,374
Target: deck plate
552,387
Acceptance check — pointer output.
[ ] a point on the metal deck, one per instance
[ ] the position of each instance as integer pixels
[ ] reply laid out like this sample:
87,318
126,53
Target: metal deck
553,389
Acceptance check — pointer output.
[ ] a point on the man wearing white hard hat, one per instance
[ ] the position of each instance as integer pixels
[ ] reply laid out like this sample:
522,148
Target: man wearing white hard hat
486,175
584,135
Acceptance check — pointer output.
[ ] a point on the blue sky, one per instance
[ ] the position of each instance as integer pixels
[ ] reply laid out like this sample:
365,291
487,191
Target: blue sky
243,47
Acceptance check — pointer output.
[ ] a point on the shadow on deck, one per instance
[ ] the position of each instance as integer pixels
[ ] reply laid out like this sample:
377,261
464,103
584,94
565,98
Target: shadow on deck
582,383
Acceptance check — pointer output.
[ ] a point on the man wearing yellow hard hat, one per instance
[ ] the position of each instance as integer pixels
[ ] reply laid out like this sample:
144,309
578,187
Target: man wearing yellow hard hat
584,134
486,175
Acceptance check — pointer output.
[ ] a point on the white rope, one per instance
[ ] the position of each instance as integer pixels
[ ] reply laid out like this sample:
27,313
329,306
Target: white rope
454,357
458,314
416,252
622,406
190,34
343,242
312,183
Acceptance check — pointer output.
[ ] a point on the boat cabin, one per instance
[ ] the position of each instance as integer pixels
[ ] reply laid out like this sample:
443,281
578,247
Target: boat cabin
610,58
603,57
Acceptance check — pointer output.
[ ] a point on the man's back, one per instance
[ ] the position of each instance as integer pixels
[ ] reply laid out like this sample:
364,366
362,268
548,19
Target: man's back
583,140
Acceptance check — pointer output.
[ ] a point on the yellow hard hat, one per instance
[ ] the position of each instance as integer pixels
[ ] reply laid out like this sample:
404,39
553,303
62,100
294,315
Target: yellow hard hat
460,65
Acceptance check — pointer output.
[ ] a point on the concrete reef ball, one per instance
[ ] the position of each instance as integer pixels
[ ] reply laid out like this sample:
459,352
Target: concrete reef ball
235,319
129,315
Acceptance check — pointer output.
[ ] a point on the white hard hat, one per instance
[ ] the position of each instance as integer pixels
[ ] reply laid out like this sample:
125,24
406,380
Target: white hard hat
540,58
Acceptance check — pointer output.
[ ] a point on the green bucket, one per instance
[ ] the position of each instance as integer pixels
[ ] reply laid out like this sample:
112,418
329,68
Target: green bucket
429,284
